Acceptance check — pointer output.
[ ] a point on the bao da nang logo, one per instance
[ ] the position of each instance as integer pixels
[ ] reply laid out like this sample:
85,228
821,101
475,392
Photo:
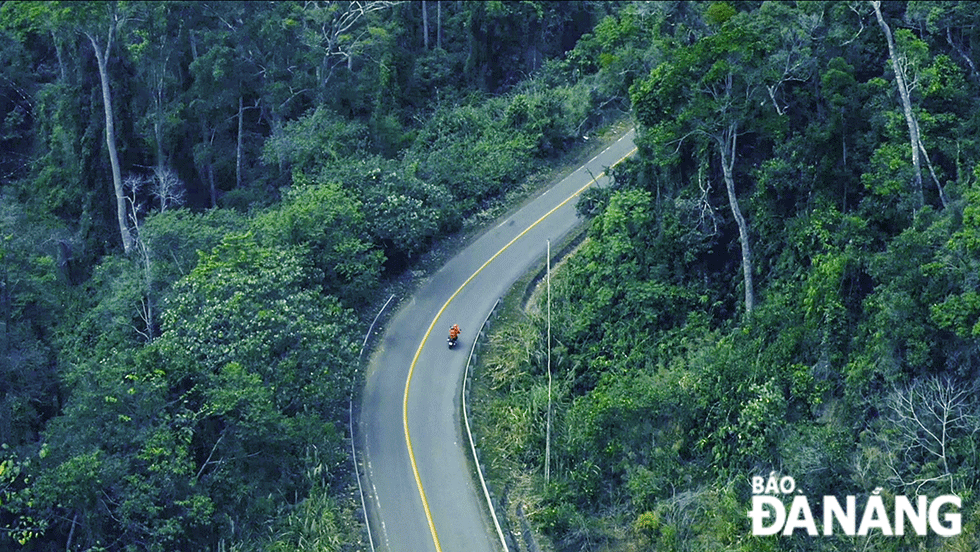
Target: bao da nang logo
905,516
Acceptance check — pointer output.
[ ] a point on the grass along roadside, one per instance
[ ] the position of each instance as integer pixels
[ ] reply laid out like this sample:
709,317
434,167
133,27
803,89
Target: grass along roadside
508,399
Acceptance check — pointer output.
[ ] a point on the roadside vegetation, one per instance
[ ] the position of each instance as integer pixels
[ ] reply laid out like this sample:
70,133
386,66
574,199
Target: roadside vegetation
784,279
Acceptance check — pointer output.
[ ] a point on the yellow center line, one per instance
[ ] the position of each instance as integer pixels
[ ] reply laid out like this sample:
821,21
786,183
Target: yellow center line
418,352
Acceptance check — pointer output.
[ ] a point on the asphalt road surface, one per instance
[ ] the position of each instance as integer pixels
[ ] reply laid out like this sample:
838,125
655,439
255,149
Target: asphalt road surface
419,490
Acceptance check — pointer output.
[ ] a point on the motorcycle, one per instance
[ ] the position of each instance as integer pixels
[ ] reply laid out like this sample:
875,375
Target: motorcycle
453,335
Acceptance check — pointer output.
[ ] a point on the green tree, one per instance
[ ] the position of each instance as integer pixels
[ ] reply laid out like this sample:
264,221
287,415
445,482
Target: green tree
904,93
957,262
711,90
35,274
326,224
403,214
262,359
64,155
155,45
954,22
213,423
17,91
117,465
217,74
107,24
317,138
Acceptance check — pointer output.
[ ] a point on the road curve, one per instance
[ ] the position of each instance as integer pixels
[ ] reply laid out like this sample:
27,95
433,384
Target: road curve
417,477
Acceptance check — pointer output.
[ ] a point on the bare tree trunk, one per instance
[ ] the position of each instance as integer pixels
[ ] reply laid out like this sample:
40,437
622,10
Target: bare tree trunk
932,171
158,117
903,92
6,304
206,169
146,304
726,146
158,136
110,136
238,148
425,24
438,24
71,533
208,166
966,58
59,55
134,185
333,43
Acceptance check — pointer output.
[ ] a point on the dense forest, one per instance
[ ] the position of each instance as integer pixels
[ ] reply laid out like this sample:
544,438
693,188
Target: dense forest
782,281
201,204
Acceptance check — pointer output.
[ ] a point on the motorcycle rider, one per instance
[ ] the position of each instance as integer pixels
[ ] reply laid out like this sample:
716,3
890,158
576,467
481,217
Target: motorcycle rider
454,332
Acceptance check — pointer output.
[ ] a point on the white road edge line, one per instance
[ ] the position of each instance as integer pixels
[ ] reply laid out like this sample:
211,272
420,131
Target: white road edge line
350,423
469,432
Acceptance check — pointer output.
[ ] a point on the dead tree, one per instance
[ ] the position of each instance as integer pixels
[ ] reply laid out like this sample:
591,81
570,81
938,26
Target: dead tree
929,416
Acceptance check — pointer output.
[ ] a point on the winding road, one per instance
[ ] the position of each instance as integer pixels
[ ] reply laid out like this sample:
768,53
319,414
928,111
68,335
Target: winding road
420,491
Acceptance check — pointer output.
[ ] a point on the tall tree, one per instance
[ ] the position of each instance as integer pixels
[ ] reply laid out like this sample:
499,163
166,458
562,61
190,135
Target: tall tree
336,29
108,24
156,46
425,24
220,72
97,24
903,94
898,63
956,22
711,90
203,155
